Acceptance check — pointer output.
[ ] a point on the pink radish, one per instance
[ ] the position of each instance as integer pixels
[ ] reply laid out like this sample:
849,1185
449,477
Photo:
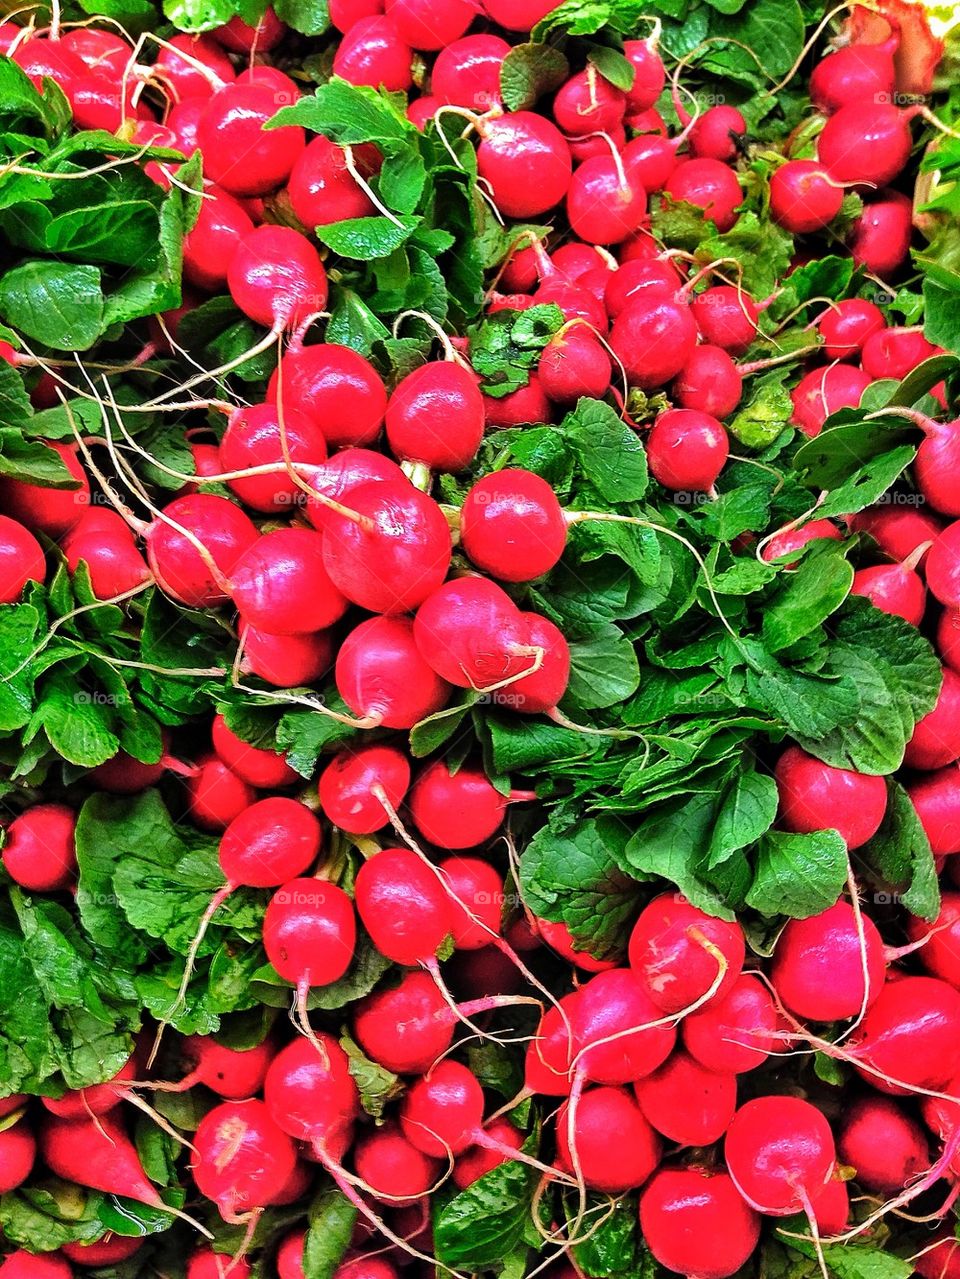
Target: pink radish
476,891
337,388
895,352
241,37
866,141
687,450
258,436
880,238
285,660
124,775
232,1073
831,1208
240,156
215,795
173,542
18,1149
943,566
695,1221
910,1036
709,185
309,933
383,677
652,159
783,544
936,737
242,1157
186,78
587,103
528,404
948,637
550,1056
404,907
207,1264
653,338
894,588
898,531
208,247
734,1034
853,73
47,510
940,1259
106,1251
21,560
846,325
818,965
816,796
471,634
718,133
687,1103
648,74
84,1103
526,162
345,13
936,797
341,474
281,583
467,72
884,1144
258,766
323,190
823,391
310,1094
461,809
939,953
390,1168
679,954
709,383
39,852
644,275
574,364
405,1028
102,52
600,1112
114,563
802,197
30,1265
613,1022
780,1153
98,1154
349,784
373,52
605,201
276,277
476,1161
726,317
518,15
559,938
936,465
435,416
423,24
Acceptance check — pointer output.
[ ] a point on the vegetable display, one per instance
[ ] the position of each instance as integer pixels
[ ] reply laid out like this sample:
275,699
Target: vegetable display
479,639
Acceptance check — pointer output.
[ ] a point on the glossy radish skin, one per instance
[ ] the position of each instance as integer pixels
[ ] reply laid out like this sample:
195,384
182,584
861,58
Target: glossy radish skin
373,52
221,528
937,466
467,72
395,555
311,1095
241,1157
344,472
346,13
943,566
256,435
215,795
240,155
893,588
380,673
936,737
669,958
512,526
940,955
866,141
780,1152
816,796
528,404
653,338
285,660
106,1251
102,52
96,1153
709,383
824,391
588,103
476,1161
687,449
783,544
475,889
423,24
895,352
910,1036
282,583
46,510
462,809
695,1221
709,185
188,80
726,317
818,963
853,74
29,1265
880,238
310,932
651,159
649,76
941,1257
600,1112
605,203
936,797
611,1004
391,1168
643,276
21,560
574,364
551,1053
560,939
574,300
346,787
687,1103
442,1113
846,325
403,906
471,633
734,1034
717,134
527,163
540,691
257,765
208,247
272,841
321,188
435,416
336,387
407,1027
97,1099
518,15
884,1144
276,277
18,1149
234,1074
948,637
113,561
207,1264
39,851
802,198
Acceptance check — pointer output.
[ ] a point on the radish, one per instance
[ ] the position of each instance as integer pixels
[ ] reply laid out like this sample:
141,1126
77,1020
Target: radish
345,13
910,1036
337,388
341,474
476,1161
687,450
442,1113
183,121
30,1265
21,560
276,277
124,775
518,15
423,24
11,1103
550,1055
587,103
310,1093
106,1251
815,796
207,1264
18,1149
258,436
831,1208
885,1145
653,338
310,933
323,190
102,52
726,317
880,237
39,851
285,660
372,52
208,247
241,1157
940,1259
467,72
281,584
894,588
605,202
270,842
846,325
232,1073
350,783
289,1258
695,1221
574,364
818,964
241,37
619,1029
258,766
84,1103
528,404
937,461
648,74
461,809
687,1103
559,938
114,563
405,1028
526,163
948,637
718,133
574,301
382,676
435,416
936,737
866,141
939,953
709,383
390,1168
943,566
936,797
803,198
652,159
194,544
709,185
46,510
826,390
736,1033
476,891
780,1153
239,155
186,78
215,795
898,532
794,539
404,907
651,276
680,955
470,632
599,1113
895,352
39,58
574,260
854,73
366,1266
390,550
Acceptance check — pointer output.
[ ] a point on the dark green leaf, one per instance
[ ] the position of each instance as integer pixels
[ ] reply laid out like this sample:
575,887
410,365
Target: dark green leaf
898,858
56,303
528,72
367,238
798,875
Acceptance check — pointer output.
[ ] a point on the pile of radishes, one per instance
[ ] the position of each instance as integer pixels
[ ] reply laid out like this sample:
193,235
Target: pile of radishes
350,526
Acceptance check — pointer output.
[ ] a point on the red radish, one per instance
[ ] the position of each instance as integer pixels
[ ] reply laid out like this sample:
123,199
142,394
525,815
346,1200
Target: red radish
936,738
736,1033
281,583
588,103
676,951
605,202
948,637
559,938
258,766
574,260
39,852
939,953
21,560
709,185
383,677
853,73
258,436
686,1102
323,190
695,1221
488,971
423,24
181,571
941,1258
943,566
365,1266
114,563
576,302
651,159
207,1264
345,13
866,141
97,1099
640,245
476,1161
880,237
184,122
709,383
270,842
936,798
232,1073
390,1168
405,1028
476,892
653,338
241,37
467,72
289,1258
470,632
30,1265
613,1021
521,271
802,198
780,1153
404,907
826,390
648,74
910,1036
47,510
310,933
846,325
442,1112
647,276
337,388
435,416
240,156
899,532
718,133
107,1250
186,79
816,796
818,964
341,474
528,404
893,588
518,15
18,1149
310,1093
649,121
102,52
600,1112
276,277
831,1208
458,810
216,795
124,775
574,364
726,317
11,1103
687,449
526,162
372,52
285,660
552,1051
885,1146
38,58
241,1157
936,466
895,352
346,788
98,1154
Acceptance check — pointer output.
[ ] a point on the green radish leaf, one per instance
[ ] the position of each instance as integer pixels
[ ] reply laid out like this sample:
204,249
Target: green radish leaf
603,669
331,1221
809,593
529,72
613,66
898,858
484,1223
766,413
376,1085
56,303
798,875
610,1249
42,1219
309,17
